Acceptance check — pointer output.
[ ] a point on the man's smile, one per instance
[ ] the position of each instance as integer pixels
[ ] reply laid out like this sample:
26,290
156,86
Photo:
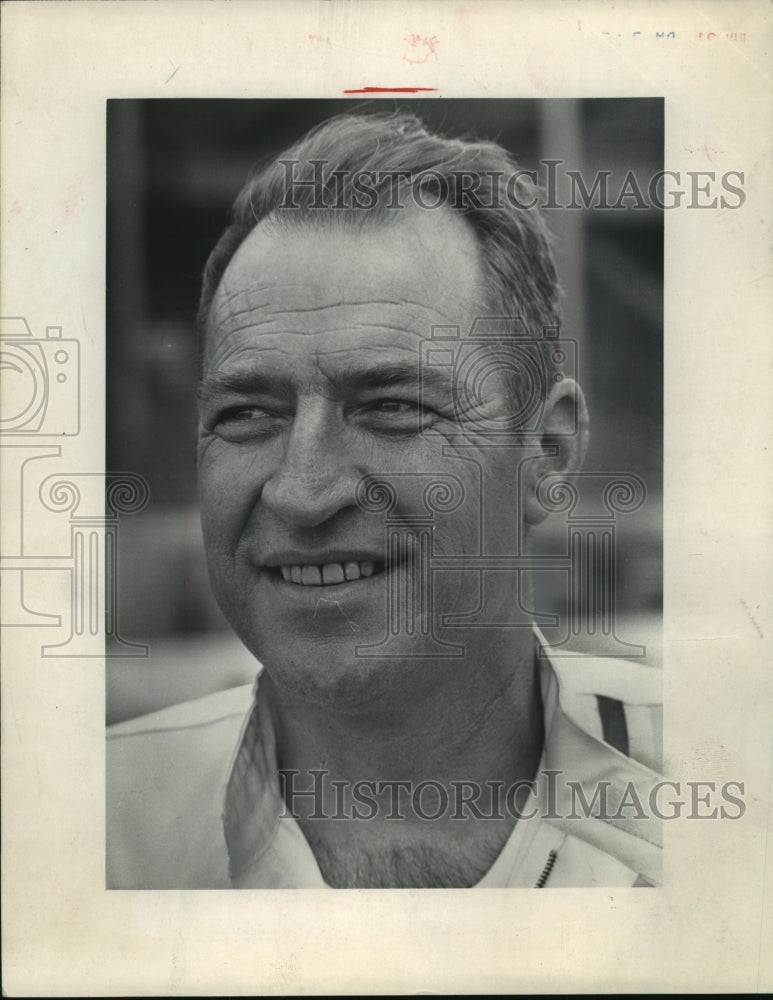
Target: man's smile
309,575
330,568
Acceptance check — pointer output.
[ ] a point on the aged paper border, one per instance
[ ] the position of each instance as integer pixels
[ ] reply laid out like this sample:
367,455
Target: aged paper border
709,928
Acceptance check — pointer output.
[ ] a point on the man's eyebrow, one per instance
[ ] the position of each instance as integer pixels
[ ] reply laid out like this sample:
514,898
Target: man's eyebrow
393,374
242,383
352,379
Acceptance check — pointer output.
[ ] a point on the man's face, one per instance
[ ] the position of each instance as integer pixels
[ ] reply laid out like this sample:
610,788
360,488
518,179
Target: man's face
310,383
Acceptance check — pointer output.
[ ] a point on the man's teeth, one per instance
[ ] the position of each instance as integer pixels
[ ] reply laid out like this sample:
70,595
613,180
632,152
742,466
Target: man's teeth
315,576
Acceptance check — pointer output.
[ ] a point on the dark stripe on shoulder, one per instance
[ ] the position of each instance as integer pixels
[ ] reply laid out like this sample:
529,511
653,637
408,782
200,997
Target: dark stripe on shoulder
613,723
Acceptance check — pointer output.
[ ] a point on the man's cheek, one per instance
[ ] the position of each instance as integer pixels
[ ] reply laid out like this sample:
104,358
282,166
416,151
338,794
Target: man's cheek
227,490
220,524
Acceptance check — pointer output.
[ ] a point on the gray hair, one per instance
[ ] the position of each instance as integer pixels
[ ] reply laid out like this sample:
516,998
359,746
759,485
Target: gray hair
396,151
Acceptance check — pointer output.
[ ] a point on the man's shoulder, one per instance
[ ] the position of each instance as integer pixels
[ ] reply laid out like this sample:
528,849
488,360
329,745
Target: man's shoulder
165,772
211,709
149,756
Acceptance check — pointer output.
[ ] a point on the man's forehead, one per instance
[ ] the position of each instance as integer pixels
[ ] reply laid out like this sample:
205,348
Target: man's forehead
418,265
262,302
336,344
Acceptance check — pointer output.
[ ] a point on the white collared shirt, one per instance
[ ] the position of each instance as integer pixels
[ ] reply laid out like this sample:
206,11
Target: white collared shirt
194,800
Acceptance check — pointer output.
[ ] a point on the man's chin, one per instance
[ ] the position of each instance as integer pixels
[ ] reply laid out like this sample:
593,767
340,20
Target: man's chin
331,678
336,676
332,645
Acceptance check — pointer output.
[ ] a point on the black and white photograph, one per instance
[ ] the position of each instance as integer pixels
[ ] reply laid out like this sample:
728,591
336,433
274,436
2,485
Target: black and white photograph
385,422
413,391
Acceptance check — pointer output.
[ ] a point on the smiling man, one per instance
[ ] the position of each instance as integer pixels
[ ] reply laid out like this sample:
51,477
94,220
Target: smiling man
443,756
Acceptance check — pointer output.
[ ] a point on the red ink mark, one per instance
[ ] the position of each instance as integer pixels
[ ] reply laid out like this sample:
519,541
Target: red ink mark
73,199
16,207
426,41
706,151
319,38
389,90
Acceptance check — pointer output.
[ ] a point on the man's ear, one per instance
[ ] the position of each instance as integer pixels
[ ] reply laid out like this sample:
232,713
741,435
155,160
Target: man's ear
563,443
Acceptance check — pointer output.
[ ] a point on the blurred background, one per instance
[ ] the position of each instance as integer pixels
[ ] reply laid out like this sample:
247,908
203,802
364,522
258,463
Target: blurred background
173,170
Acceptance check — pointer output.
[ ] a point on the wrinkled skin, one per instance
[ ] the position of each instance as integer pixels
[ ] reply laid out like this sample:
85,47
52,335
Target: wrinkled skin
296,409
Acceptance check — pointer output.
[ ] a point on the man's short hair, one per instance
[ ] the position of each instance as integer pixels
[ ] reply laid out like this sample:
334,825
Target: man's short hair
405,164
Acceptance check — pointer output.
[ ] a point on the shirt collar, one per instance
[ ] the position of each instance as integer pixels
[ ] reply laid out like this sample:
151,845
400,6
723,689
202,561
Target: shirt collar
253,802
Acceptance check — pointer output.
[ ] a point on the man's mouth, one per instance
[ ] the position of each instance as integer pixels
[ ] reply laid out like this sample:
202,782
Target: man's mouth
327,574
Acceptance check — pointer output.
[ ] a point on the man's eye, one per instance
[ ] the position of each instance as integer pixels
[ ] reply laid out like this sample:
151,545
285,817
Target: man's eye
239,423
395,416
395,406
391,412
239,414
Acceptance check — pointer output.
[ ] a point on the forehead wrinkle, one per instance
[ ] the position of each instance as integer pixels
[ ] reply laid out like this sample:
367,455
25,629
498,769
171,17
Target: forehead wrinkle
252,299
237,313
230,296
219,360
244,354
389,326
236,324
229,329
230,340
420,315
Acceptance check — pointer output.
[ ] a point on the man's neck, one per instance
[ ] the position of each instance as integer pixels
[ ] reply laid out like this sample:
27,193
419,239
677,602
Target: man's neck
413,791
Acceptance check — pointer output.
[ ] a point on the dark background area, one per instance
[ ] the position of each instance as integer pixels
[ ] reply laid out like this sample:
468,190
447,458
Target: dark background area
173,170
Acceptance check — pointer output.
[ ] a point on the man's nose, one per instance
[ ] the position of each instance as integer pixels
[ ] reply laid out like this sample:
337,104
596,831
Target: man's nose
316,477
